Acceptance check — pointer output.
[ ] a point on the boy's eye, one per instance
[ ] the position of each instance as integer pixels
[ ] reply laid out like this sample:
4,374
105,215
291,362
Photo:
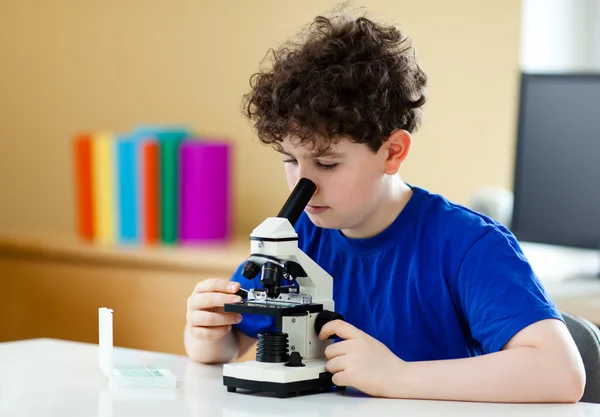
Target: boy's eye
319,164
326,166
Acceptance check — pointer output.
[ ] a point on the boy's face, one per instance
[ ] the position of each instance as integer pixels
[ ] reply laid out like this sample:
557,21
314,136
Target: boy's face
350,178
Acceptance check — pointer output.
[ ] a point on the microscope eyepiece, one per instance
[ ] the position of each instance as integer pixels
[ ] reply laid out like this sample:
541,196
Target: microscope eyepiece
297,201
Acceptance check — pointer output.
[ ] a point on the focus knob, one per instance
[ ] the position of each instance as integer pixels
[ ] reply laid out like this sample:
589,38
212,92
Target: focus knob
325,317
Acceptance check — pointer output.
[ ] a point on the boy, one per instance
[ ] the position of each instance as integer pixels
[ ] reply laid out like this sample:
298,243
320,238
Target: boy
439,301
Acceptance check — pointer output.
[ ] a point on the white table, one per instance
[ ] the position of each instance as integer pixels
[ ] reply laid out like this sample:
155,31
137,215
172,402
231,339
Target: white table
47,377
570,275
565,272
558,263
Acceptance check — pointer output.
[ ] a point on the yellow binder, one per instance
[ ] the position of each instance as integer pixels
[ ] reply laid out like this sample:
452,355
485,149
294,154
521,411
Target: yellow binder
103,156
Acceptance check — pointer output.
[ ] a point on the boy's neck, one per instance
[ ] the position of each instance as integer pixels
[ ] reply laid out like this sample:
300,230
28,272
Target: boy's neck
396,196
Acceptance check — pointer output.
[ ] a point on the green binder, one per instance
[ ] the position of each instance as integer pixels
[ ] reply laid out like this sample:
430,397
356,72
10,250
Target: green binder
169,143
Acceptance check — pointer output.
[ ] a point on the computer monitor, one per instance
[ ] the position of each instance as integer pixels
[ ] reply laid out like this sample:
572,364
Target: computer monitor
557,170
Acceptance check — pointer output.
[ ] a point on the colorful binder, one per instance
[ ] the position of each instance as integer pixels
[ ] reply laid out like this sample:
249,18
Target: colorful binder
83,168
153,184
149,191
128,191
205,202
103,195
168,138
169,143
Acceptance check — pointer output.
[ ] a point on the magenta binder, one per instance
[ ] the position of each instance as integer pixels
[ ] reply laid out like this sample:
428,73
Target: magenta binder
205,191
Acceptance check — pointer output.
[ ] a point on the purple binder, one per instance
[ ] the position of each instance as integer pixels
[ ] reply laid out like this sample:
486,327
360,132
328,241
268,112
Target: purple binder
205,187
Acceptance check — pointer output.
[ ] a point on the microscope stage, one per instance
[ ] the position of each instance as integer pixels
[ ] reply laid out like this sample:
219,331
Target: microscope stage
270,308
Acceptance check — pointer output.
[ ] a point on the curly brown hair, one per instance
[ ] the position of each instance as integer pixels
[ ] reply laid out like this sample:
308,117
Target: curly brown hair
345,77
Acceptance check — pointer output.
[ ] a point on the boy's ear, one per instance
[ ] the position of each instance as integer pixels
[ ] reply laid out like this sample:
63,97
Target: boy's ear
396,148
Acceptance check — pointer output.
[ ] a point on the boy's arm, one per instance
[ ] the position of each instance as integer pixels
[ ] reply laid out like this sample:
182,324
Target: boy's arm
223,350
540,363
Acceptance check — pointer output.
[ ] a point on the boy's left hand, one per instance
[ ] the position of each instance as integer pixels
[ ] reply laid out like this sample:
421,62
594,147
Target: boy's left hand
360,361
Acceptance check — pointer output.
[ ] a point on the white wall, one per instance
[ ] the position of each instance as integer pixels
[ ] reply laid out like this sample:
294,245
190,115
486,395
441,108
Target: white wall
560,36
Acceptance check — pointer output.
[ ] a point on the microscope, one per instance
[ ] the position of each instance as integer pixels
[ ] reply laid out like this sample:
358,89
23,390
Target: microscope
292,359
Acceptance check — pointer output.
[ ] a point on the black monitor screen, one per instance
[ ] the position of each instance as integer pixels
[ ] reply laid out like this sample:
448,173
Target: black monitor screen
557,172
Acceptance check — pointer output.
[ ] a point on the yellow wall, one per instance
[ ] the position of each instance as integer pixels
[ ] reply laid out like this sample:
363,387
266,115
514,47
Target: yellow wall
68,65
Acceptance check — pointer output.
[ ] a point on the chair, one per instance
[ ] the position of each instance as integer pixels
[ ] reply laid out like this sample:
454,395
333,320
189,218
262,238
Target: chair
587,339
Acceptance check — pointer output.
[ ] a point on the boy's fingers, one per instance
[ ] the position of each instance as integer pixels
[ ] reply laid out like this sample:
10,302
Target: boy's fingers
336,364
199,318
340,379
209,333
217,285
340,328
204,301
336,349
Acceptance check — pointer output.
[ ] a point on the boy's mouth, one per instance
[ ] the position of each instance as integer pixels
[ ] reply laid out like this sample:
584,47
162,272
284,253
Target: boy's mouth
315,209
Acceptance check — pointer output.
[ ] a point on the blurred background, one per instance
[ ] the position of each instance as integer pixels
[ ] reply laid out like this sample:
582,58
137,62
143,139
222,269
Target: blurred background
70,66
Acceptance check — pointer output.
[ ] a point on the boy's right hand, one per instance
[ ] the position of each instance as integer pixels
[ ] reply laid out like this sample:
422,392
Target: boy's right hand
205,317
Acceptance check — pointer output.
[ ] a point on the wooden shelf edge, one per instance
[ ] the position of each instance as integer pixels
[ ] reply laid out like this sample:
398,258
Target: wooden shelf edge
218,257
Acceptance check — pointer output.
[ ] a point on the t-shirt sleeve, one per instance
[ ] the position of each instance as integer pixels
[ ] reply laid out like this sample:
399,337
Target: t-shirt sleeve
498,291
252,324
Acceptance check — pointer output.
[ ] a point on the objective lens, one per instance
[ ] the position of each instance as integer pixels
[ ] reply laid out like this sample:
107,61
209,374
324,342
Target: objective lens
250,270
271,278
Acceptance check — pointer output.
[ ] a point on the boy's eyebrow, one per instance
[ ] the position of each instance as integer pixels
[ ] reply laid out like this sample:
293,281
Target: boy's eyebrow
325,153
328,153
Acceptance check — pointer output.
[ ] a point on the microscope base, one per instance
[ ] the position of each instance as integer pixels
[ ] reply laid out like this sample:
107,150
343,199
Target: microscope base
282,380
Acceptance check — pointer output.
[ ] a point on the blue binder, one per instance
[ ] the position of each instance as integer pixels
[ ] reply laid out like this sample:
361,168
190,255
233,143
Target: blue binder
128,192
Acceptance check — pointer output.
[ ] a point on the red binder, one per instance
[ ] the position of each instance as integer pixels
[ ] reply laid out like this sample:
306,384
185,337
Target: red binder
82,158
150,183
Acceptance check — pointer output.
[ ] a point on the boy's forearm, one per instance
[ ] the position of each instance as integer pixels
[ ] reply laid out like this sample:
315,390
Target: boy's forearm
222,350
523,374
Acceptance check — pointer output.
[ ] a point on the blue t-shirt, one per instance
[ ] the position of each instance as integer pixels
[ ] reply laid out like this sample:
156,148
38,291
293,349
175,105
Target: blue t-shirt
441,282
